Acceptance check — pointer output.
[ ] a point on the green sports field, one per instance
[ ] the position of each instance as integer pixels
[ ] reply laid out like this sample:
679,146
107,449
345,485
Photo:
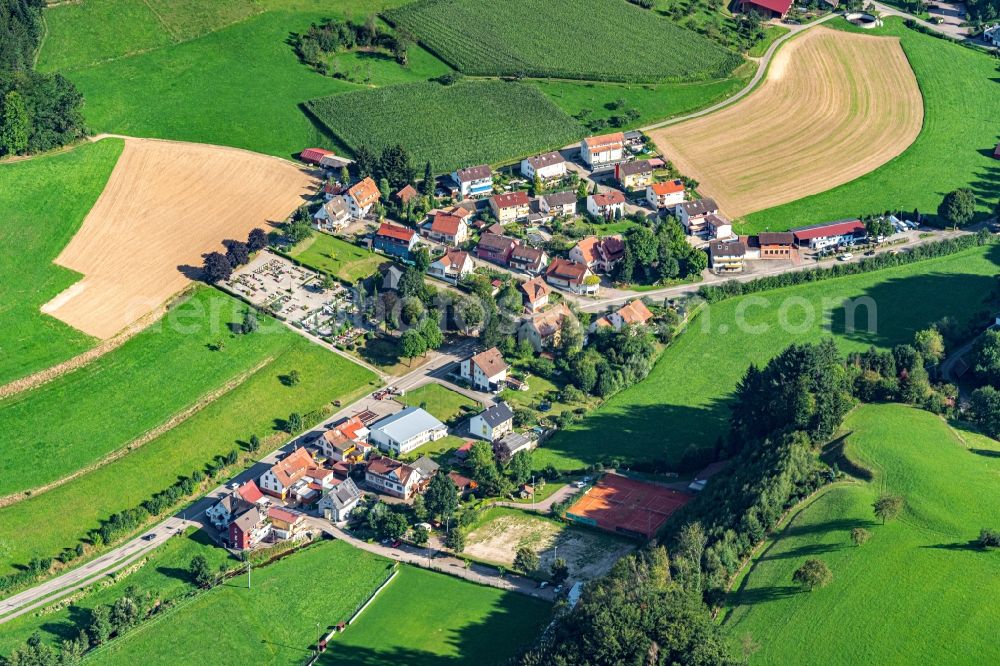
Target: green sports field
43,204
436,123
425,619
954,149
919,591
684,401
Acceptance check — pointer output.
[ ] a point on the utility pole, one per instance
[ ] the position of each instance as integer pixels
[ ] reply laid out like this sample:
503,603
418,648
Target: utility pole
248,574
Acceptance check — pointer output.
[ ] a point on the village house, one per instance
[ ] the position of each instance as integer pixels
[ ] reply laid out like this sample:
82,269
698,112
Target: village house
248,530
536,294
278,481
474,181
665,195
448,229
547,166
634,175
391,477
332,215
542,330
463,484
776,244
598,254
511,444
830,234
609,205
726,256
510,206
633,314
332,189
718,226
407,194
453,266
602,152
493,423
340,443
496,248
286,523
234,503
558,204
309,488
573,276
991,35
485,371
528,259
361,197
426,469
395,240
406,430
692,214
338,502
314,155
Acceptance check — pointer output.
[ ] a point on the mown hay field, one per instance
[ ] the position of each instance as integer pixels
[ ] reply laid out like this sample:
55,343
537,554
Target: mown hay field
453,126
834,106
600,40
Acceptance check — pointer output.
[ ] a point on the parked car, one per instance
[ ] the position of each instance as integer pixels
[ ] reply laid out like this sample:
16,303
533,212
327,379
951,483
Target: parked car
847,256
148,537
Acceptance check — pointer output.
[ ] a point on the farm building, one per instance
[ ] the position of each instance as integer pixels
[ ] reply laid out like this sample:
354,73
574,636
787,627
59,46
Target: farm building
395,240
528,259
665,195
536,294
452,266
406,430
726,256
604,151
510,206
627,506
776,244
547,166
608,205
474,181
571,275
496,248
391,477
558,204
829,234
634,175
314,155
767,8
486,371
333,162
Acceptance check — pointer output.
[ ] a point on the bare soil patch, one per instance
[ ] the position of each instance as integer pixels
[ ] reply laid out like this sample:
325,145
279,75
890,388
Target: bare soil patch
166,205
834,106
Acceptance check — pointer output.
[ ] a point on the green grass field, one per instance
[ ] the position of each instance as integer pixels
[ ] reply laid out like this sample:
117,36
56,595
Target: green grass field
684,401
443,403
954,148
598,40
44,202
258,406
918,591
337,257
771,33
427,619
434,122
273,622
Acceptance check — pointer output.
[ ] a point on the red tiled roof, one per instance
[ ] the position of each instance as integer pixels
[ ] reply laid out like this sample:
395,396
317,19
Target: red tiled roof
490,362
407,193
392,231
567,270
609,198
635,312
314,155
250,492
293,467
669,187
455,259
283,514
779,6
535,289
511,199
444,223
823,230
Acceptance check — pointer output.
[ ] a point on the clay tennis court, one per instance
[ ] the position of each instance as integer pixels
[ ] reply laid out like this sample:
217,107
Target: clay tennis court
834,106
627,506
165,205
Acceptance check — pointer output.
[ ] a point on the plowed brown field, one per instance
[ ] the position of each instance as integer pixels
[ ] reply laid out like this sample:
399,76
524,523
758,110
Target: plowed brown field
834,106
165,205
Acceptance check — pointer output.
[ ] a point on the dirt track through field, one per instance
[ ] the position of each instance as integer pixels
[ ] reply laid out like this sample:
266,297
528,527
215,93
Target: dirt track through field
166,204
834,106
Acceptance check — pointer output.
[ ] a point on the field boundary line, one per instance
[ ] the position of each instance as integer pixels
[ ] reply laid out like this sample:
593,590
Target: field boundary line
143,439
159,18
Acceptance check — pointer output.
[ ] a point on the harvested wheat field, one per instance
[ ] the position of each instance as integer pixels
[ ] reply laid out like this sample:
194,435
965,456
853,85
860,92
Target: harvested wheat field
165,205
834,106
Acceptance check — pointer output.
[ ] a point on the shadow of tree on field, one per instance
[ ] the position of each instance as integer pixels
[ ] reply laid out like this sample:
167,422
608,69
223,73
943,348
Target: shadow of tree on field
759,595
834,453
970,545
839,525
810,550
988,453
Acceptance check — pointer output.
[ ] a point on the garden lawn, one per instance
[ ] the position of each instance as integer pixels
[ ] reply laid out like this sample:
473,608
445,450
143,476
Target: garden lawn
45,199
164,576
337,257
443,403
273,622
470,122
258,406
426,619
919,590
684,402
954,148
600,40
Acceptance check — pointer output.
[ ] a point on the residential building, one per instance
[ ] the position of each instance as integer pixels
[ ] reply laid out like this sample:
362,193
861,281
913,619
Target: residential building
632,314
309,488
510,206
493,423
830,234
222,512
601,152
362,196
286,523
448,229
726,256
314,155
718,226
598,254
511,444
332,215
279,480
391,477
665,195
406,195
331,190
634,175
609,205
558,204
547,166
463,484
496,248
485,371
529,259
248,530
391,275
776,244
536,293
340,443
338,502
573,276
474,181
426,468
395,240
692,214
453,266
991,36
766,8
406,430
542,330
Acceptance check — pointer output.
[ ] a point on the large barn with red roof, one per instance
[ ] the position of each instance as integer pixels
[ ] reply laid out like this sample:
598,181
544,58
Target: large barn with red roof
768,8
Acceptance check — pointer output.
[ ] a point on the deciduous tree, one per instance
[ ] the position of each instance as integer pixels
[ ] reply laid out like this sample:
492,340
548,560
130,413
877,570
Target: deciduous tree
812,574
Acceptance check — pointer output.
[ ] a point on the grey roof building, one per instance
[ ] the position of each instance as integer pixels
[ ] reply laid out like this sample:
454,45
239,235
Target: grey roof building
406,430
